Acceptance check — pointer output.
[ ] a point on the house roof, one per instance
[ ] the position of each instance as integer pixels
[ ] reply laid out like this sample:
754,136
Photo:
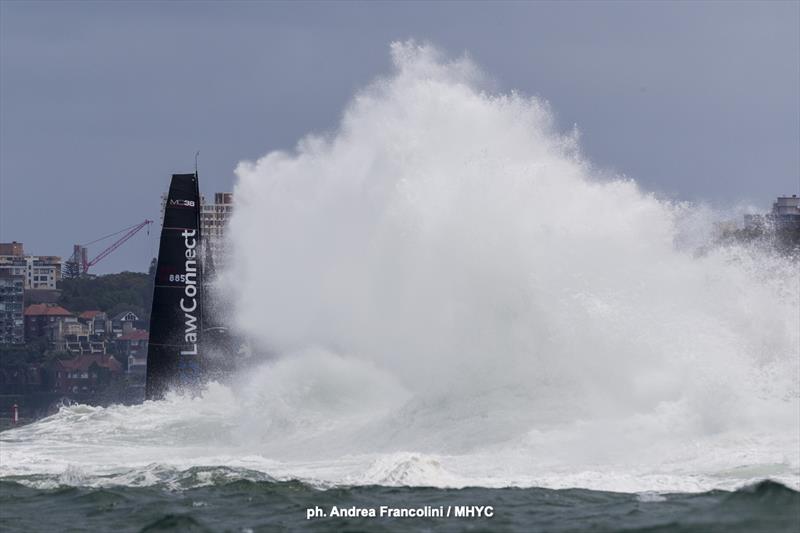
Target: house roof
120,316
46,310
135,335
89,315
84,361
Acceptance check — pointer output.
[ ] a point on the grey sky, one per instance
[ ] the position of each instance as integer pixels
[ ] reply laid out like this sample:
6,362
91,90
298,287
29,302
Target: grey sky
101,102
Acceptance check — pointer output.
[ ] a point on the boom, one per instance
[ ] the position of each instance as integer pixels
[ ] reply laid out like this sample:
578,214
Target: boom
80,257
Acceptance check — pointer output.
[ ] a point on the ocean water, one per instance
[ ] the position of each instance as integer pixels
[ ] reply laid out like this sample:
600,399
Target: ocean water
282,506
185,464
446,304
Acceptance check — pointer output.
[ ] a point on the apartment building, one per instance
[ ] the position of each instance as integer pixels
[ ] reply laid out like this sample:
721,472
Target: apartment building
12,319
38,272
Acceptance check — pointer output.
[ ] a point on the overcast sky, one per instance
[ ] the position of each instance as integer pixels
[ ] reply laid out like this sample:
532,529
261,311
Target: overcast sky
101,102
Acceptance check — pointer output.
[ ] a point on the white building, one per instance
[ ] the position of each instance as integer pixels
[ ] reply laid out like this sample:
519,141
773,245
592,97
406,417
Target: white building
39,272
787,205
42,272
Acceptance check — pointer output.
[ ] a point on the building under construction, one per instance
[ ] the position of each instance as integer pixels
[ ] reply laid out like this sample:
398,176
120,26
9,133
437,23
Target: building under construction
214,218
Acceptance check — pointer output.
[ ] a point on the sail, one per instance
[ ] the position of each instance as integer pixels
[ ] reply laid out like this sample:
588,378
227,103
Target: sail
173,356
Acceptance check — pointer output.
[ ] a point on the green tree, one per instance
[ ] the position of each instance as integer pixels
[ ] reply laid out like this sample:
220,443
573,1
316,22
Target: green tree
110,293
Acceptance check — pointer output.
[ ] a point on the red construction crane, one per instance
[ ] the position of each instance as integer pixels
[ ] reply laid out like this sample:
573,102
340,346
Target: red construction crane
80,256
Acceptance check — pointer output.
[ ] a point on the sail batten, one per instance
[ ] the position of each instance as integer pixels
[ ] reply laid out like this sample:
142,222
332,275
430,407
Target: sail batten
173,356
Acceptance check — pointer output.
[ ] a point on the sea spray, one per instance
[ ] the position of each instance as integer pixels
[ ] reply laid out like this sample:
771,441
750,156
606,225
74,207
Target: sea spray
443,291
456,241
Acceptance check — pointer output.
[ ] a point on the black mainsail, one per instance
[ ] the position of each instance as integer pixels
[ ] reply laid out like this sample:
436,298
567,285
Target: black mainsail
173,355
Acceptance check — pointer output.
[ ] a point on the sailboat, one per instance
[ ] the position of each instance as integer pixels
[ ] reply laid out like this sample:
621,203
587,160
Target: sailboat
174,358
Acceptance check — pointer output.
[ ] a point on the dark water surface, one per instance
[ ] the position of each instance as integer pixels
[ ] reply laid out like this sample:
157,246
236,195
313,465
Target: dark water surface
281,506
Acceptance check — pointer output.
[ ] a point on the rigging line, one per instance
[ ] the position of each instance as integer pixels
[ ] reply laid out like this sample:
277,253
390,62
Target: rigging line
111,234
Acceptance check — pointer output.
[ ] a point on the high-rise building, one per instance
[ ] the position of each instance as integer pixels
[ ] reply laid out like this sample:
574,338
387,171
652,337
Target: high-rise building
12,320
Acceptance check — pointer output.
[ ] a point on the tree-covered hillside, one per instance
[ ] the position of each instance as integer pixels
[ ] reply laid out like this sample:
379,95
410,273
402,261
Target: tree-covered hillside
111,293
